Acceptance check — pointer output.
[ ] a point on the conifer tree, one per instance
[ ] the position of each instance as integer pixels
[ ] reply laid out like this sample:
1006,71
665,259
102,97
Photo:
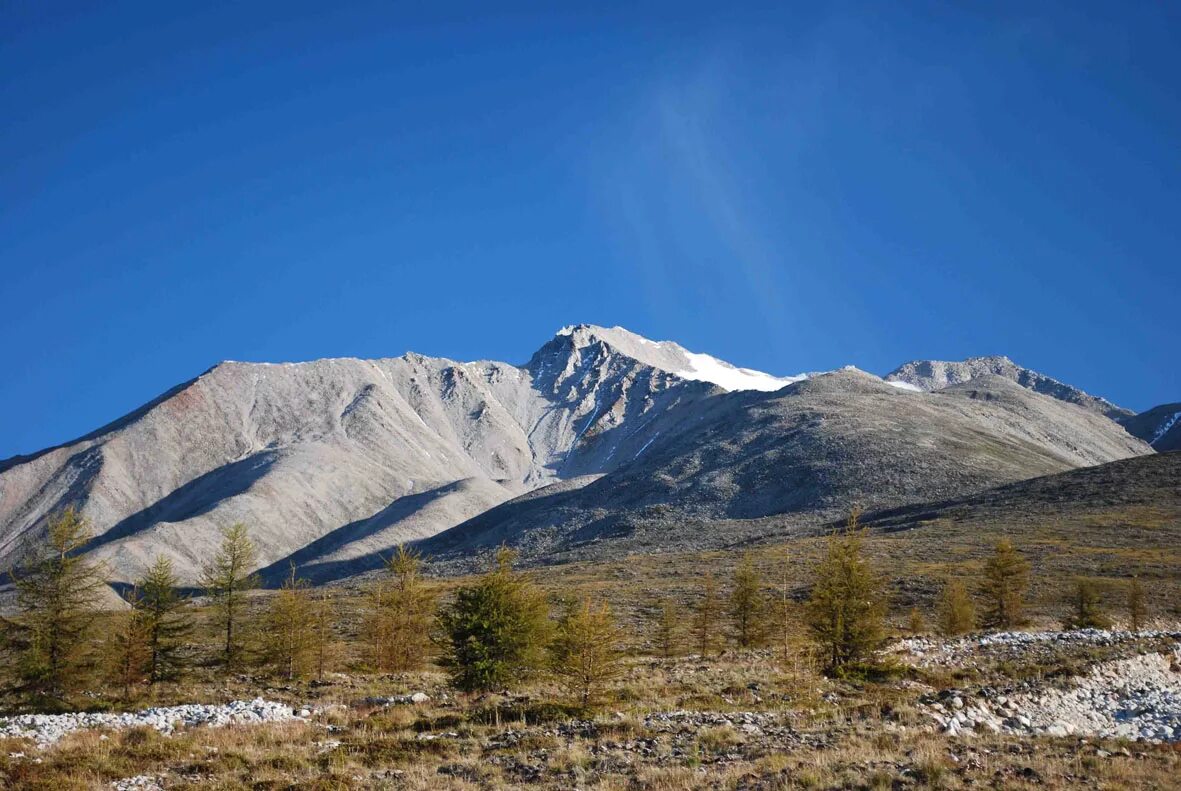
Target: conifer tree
748,605
957,611
401,612
1086,607
846,611
915,623
287,629
167,620
226,578
1137,611
495,631
321,631
57,593
128,646
585,654
668,625
705,616
1006,578
785,620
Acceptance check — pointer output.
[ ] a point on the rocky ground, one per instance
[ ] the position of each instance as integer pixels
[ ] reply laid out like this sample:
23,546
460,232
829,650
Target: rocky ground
1092,709
1136,698
48,729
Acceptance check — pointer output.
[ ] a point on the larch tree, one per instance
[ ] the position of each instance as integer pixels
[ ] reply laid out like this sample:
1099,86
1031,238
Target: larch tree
401,613
705,616
288,645
1086,607
956,610
167,619
128,650
748,605
785,620
1137,610
668,628
495,630
585,654
1006,578
846,610
322,633
915,623
57,601
226,578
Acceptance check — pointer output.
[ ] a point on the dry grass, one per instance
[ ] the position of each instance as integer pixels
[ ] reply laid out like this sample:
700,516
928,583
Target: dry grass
835,735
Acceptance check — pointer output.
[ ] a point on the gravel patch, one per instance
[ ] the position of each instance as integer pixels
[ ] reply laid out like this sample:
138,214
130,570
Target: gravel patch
47,729
932,652
1136,698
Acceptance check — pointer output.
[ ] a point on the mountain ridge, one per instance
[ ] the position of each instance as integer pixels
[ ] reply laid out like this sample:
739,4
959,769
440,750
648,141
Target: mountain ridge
330,461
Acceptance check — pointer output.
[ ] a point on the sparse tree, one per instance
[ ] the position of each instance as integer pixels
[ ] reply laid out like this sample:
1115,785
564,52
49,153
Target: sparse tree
1137,610
585,654
846,611
226,579
668,629
915,624
495,631
957,611
57,601
128,648
1086,607
705,616
287,629
1006,578
748,605
401,612
321,630
166,617
785,620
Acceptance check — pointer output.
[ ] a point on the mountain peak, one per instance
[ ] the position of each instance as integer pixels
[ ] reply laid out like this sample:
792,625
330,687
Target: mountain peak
675,359
931,375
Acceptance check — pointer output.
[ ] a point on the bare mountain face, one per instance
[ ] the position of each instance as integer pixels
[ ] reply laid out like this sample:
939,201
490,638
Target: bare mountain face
931,375
332,463
817,447
333,459
1160,427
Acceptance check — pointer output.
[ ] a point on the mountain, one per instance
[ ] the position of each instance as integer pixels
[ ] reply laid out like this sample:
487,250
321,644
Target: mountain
817,446
330,459
1160,427
931,375
332,463
1132,493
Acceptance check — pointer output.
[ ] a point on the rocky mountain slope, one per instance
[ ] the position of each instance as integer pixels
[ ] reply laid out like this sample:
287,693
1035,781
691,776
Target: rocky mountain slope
1160,427
816,446
331,463
319,455
930,375
1125,488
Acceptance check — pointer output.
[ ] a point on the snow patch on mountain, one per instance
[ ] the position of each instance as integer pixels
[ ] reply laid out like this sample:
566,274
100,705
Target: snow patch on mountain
1164,428
704,368
679,361
905,386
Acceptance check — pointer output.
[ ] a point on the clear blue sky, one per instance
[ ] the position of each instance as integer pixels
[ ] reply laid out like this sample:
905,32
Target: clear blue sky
789,188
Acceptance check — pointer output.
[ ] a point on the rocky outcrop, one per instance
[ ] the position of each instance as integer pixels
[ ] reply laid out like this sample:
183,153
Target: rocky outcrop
931,375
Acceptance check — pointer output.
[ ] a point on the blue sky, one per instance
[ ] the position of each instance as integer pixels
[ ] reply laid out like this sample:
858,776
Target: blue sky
787,187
